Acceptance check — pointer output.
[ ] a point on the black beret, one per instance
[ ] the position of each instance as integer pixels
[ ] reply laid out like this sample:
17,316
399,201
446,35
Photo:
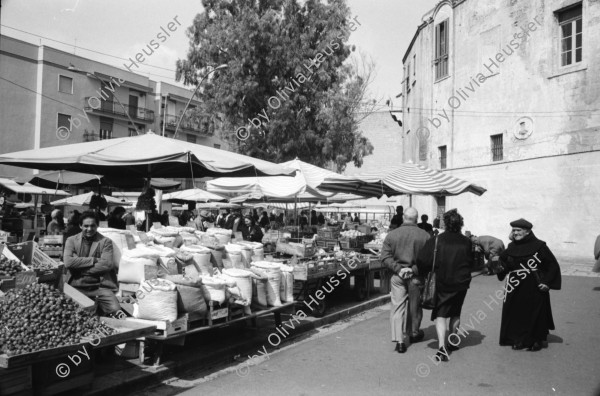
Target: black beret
521,223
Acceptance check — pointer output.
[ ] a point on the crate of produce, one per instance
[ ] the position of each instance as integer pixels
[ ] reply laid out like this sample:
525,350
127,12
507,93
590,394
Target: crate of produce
295,249
301,271
328,233
344,243
327,243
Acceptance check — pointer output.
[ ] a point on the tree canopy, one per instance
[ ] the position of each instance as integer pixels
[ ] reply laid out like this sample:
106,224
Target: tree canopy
289,89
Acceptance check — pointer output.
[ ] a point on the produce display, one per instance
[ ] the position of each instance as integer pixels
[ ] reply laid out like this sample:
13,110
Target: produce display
351,234
9,267
40,317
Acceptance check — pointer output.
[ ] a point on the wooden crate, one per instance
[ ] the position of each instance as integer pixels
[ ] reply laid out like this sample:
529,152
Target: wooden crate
17,381
165,328
328,233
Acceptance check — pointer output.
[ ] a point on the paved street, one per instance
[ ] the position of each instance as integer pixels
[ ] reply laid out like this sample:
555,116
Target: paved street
356,357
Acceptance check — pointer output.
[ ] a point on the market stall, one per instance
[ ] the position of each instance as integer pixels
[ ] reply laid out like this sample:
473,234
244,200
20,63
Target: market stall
21,226
169,265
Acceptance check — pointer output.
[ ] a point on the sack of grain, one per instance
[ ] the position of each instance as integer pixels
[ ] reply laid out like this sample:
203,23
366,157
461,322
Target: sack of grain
190,297
157,300
287,283
121,239
133,263
215,287
243,280
273,272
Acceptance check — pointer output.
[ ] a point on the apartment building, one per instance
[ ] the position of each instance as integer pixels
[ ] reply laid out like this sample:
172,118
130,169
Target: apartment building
50,97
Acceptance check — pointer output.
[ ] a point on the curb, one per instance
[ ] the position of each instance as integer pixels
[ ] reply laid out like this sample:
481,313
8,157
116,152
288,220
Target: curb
127,381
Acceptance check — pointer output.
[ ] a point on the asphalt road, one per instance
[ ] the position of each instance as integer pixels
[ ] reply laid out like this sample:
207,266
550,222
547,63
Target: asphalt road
356,357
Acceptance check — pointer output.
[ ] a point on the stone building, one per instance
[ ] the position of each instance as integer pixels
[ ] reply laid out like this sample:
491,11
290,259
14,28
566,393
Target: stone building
506,94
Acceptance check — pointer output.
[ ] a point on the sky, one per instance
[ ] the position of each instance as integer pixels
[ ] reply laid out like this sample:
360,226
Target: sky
107,30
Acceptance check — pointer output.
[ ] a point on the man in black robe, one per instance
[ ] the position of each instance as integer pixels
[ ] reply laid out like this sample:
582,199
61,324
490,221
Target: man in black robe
531,270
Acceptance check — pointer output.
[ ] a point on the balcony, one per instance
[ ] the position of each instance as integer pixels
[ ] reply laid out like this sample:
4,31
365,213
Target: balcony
113,109
196,124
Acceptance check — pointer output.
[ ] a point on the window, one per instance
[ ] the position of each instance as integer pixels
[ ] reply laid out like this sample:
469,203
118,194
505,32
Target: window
217,146
191,138
441,50
408,77
497,152
441,209
106,129
571,36
443,152
414,65
64,120
65,84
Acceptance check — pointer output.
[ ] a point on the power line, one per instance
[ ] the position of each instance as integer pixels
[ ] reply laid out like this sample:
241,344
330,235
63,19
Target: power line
83,48
55,100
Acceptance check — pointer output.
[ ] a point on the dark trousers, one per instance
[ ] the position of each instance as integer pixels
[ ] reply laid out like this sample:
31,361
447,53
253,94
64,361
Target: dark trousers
104,298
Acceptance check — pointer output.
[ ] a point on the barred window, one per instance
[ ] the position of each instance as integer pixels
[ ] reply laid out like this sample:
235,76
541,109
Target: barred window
497,149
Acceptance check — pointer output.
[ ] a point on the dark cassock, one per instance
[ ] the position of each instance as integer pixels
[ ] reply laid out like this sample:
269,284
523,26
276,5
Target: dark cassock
526,312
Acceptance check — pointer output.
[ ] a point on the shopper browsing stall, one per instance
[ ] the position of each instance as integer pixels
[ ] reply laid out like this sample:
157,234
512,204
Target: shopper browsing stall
251,231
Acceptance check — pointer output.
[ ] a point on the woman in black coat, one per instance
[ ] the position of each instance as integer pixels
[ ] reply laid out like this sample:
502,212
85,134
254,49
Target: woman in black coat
251,231
530,270
453,263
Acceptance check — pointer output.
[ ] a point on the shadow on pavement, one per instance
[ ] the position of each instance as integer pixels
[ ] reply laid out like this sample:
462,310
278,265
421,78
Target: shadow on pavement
473,338
597,288
554,339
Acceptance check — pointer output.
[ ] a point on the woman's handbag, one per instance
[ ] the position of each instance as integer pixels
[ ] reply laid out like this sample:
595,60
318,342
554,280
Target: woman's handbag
429,296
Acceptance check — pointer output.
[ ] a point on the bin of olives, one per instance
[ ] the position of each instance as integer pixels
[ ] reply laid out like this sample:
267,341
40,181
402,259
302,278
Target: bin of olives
9,268
39,317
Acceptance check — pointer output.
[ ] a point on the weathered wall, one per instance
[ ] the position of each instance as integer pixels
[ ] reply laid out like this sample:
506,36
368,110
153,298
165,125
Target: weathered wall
386,137
550,178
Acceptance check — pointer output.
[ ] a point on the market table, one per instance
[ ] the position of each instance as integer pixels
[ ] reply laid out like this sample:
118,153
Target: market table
305,289
49,371
160,339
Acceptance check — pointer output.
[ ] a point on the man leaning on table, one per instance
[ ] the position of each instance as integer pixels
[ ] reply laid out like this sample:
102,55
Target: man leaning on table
399,254
89,259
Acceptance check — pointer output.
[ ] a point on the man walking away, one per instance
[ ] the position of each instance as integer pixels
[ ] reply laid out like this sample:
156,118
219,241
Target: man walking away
399,254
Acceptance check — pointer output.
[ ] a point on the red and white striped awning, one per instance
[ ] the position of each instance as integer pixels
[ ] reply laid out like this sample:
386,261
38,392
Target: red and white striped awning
410,179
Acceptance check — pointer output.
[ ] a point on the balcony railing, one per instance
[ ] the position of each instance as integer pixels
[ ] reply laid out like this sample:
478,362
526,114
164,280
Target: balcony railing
109,108
197,124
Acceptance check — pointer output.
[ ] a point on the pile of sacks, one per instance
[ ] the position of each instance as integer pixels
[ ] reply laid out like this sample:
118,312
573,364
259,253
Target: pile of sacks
180,270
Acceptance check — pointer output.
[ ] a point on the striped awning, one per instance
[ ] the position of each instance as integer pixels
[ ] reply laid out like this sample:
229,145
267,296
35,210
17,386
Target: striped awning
410,179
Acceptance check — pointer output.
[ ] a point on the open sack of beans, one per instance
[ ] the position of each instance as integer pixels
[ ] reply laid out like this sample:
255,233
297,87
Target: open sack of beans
156,300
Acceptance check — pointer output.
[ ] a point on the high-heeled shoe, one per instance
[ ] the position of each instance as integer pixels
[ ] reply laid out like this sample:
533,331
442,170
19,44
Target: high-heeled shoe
442,355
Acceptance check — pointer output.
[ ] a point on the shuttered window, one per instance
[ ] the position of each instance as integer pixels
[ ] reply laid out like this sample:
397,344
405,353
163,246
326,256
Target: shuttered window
441,50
